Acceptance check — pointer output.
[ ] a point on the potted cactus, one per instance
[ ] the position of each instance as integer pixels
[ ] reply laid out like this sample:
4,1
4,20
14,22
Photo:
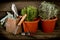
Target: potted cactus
31,22
48,14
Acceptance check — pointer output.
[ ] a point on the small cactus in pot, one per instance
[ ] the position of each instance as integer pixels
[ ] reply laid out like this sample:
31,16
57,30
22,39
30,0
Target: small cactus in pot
30,24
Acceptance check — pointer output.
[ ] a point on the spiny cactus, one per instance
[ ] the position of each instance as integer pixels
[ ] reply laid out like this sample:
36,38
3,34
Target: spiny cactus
31,12
47,10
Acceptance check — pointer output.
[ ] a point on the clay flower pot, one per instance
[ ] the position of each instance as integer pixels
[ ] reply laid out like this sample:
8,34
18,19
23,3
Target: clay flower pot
31,26
11,25
48,25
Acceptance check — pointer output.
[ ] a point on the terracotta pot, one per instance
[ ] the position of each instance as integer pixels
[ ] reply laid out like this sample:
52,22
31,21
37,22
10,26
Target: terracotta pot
48,25
31,26
11,25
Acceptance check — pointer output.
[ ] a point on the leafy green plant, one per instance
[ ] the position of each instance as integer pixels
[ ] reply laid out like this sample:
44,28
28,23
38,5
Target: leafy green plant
31,12
47,10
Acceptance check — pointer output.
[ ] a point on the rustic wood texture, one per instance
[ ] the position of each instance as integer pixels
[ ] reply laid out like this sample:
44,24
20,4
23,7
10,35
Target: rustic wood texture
2,14
7,6
38,35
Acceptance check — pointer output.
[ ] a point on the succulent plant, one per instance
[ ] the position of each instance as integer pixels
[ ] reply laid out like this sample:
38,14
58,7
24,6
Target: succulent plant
47,10
31,12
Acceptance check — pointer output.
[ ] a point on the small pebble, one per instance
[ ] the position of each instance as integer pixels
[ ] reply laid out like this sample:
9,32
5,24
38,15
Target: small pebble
22,33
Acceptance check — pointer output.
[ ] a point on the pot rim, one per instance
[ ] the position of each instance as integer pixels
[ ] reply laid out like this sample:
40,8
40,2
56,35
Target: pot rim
38,19
50,19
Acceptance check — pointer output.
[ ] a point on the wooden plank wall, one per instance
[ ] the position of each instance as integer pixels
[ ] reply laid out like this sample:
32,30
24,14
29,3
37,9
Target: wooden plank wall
19,5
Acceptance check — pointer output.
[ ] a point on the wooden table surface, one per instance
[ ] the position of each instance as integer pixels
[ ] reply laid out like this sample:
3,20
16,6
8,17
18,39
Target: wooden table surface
38,35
